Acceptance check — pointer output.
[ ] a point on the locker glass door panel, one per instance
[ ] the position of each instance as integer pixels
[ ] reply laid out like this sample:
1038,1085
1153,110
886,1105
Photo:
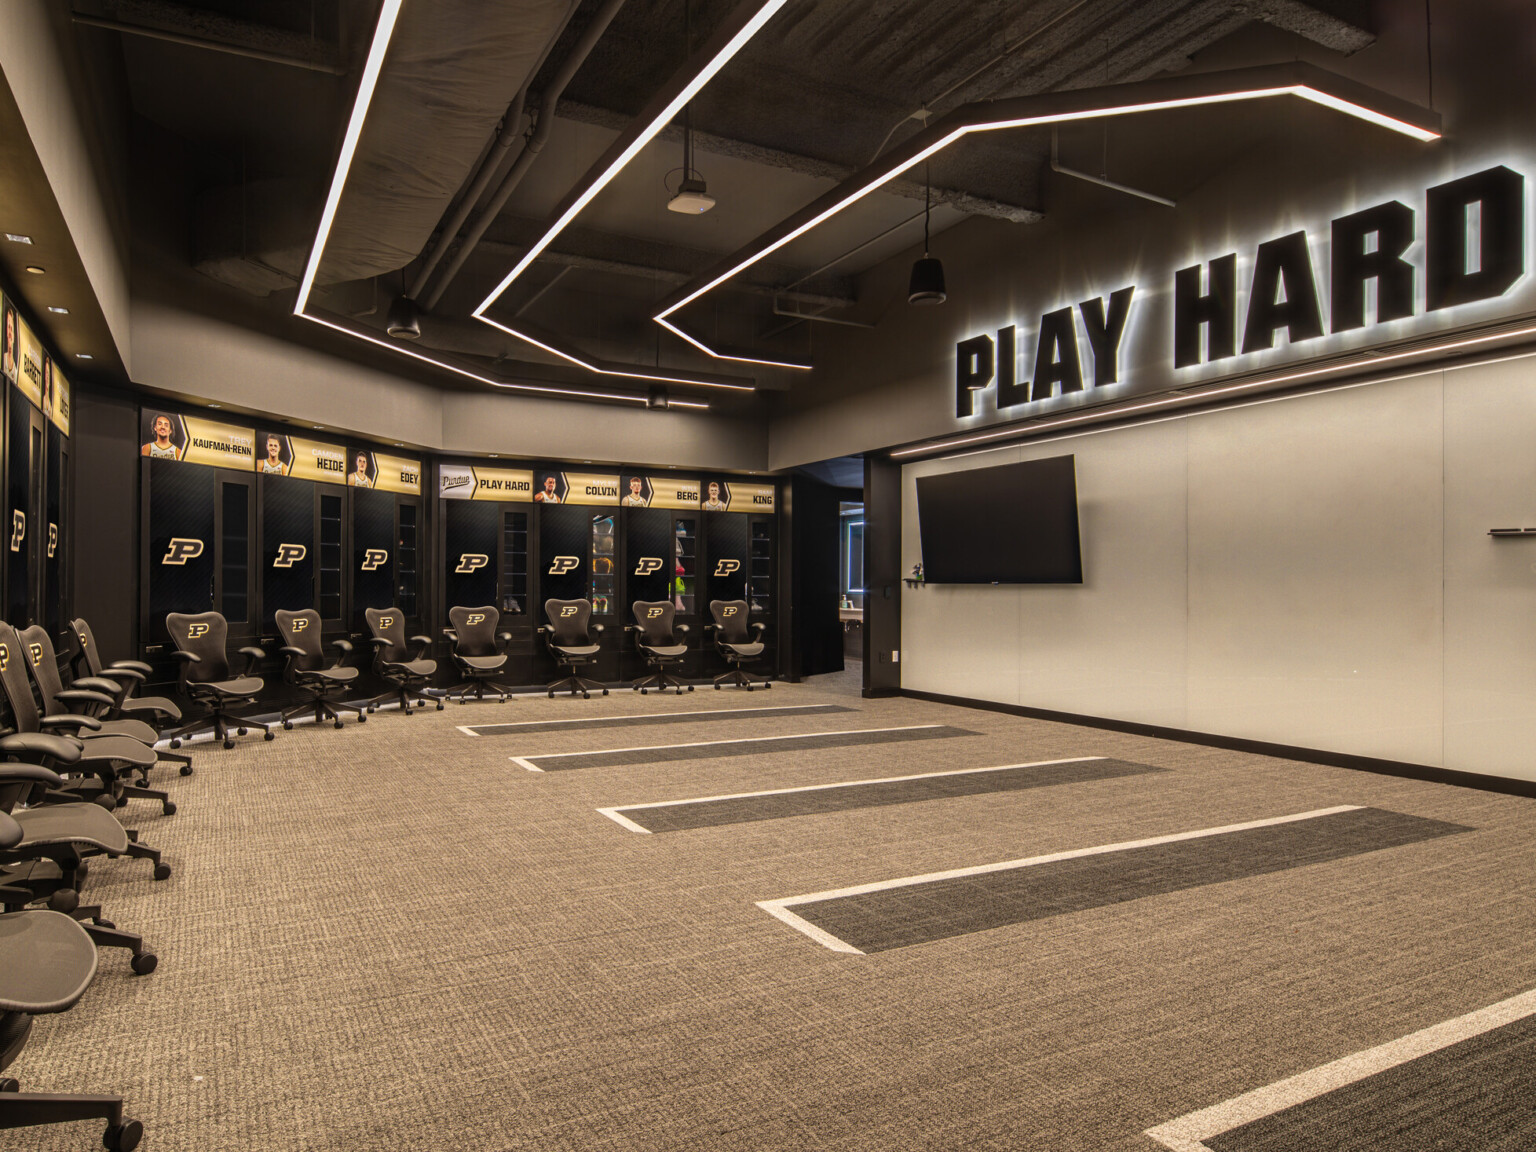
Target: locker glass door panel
331,556
373,553
725,549
288,552
179,544
471,543
565,542
54,537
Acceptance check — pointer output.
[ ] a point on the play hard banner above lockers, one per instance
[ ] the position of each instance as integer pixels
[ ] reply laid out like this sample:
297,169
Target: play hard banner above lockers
26,364
467,482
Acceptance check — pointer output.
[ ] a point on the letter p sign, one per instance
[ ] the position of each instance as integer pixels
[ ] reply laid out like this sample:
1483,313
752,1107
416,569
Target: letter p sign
472,562
374,558
18,528
726,567
647,565
181,550
563,564
288,555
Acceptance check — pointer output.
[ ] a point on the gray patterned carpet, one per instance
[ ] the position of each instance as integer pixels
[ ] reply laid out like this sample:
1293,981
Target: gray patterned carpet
391,937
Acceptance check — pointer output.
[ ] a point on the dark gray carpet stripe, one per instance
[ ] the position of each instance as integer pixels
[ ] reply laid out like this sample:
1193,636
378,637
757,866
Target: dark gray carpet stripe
845,798
920,913
1474,1096
718,749
703,717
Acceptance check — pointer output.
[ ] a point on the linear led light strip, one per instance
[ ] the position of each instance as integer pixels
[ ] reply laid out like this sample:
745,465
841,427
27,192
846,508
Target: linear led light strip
383,33
548,389
961,125
623,370
604,172
1164,401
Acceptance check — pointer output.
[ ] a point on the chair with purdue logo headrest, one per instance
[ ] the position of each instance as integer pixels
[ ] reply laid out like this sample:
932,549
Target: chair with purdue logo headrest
659,639
570,636
206,677
125,676
731,632
407,673
478,650
306,669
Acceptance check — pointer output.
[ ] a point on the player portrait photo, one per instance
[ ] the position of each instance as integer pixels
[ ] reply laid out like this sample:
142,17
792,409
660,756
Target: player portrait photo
713,502
637,496
164,434
275,458
549,489
361,475
47,385
8,350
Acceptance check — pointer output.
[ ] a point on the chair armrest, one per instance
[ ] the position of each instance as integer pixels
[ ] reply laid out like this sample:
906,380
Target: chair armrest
122,675
379,641
343,646
133,666
187,657
451,634
290,650
71,696
504,637
545,628
97,684
758,627
631,627
69,720
598,628
683,628
421,639
423,643
31,746
251,656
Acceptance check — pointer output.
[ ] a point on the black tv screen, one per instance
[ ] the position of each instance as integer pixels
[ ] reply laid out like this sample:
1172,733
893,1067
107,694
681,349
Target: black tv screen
1014,524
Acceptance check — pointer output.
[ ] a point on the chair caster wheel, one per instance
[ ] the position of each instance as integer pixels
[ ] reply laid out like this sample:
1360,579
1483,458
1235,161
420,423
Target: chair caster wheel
337,724
9,1085
186,769
168,808
123,1137
65,900
586,695
362,717
287,725
645,691
100,923
176,743
122,802
162,872
766,687
551,695
605,691
240,731
144,963
440,705
228,743
82,870
271,735
690,687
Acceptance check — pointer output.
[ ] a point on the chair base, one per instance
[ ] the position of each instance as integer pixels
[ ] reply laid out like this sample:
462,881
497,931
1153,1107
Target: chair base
660,680
477,686
401,693
221,723
325,709
578,684
740,679
28,1109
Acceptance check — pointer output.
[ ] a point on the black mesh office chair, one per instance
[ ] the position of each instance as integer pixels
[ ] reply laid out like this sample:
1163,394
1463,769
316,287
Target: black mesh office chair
731,632
159,712
47,961
570,636
307,671
206,678
47,860
478,650
659,639
132,740
392,659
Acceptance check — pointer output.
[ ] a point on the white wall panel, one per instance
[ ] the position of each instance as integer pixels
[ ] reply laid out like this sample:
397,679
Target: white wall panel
1490,584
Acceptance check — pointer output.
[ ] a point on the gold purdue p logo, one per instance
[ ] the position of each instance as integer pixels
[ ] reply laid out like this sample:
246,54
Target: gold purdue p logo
652,613
726,567
182,549
196,631
560,565
647,565
374,558
289,554
568,610
300,624
474,618
472,562
727,613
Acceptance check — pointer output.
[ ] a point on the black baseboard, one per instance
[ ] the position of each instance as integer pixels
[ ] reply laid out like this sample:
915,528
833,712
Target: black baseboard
1402,768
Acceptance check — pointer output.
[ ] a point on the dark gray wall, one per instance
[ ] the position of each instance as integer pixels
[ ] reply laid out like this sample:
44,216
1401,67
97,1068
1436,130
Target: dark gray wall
882,575
106,517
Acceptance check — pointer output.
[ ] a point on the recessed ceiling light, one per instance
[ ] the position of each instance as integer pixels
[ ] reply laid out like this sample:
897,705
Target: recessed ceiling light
317,426
215,405
36,269
494,455
399,444
60,311
84,356
18,238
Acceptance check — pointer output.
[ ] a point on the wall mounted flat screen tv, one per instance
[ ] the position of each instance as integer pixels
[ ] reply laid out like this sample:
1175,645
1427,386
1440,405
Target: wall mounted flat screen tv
1014,524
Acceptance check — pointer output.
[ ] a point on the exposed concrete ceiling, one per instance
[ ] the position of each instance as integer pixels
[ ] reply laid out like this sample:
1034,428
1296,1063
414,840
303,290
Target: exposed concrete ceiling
824,88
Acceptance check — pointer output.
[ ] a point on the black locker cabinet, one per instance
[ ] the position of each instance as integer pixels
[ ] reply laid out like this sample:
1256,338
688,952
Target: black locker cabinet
198,528
386,531
740,563
55,539
578,559
485,561
660,563
25,471
301,552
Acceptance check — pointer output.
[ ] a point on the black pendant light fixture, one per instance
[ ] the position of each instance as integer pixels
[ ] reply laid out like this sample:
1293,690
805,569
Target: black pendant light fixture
926,287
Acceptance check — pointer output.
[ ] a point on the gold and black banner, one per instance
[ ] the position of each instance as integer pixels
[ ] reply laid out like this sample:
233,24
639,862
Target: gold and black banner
472,482
31,363
193,440
278,454
734,496
370,469
575,488
643,491
56,397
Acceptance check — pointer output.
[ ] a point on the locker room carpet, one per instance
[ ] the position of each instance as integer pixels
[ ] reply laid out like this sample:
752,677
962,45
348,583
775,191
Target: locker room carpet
392,937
